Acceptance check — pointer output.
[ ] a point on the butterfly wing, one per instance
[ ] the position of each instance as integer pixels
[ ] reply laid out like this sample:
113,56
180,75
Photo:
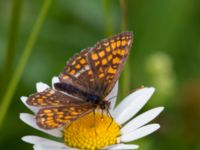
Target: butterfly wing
51,97
96,69
58,116
78,73
57,108
107,59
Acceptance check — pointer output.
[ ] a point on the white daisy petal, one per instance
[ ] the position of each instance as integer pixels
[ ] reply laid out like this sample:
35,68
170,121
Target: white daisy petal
139,133
47,147
141,120
43,141
32,108
30,120
112,96
55,80
40,86
123,146
132,104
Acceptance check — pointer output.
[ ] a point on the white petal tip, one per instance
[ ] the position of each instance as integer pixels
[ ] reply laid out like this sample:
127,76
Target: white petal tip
40,86
157,110
136,146
139,133
27,139
161,108
28,119
157,126
24,101
23,98
141,120
23,116
55,79
151,89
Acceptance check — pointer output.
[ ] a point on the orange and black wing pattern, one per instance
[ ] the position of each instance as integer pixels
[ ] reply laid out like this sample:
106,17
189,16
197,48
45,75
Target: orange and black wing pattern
88,78
96,69
51,97
107,59
78,73
56,108
56,117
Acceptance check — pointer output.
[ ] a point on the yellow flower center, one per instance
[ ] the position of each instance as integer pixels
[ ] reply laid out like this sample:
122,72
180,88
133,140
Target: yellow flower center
92,132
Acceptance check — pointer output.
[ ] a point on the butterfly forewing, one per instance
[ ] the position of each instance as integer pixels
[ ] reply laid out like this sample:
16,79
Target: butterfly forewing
78,73
107,58
96,69
55,117
51,97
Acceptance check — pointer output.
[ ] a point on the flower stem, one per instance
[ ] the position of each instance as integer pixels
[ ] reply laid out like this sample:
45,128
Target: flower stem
12,41
23,60
125,79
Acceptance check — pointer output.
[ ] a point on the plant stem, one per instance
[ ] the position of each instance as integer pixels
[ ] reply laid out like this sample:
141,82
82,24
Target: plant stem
123,19
108,17
12,41
23,60
125,79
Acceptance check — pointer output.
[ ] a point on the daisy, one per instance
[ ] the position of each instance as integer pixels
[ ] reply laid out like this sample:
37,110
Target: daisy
107,133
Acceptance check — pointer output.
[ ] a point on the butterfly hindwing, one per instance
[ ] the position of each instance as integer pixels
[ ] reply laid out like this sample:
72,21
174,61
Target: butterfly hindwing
55,117
57,108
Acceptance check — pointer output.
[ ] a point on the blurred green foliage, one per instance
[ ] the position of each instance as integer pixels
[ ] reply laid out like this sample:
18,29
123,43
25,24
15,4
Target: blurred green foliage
167,34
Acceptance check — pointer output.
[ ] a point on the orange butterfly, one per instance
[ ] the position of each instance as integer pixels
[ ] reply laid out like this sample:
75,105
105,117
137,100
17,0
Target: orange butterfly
87,79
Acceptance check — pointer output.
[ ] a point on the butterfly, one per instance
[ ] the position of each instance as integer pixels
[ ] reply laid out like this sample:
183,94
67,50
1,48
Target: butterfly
86,80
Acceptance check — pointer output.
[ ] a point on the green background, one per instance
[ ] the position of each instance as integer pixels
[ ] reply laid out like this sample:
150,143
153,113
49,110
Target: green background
165,54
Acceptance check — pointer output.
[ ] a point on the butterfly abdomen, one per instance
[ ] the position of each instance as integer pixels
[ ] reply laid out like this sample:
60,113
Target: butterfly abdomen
70,89
66,88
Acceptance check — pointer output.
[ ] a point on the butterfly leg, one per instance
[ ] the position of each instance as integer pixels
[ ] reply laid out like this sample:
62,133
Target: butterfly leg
94,122
101,113
108,113
68,125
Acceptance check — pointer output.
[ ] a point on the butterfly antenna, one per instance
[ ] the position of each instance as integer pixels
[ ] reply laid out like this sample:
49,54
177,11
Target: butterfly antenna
111,98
